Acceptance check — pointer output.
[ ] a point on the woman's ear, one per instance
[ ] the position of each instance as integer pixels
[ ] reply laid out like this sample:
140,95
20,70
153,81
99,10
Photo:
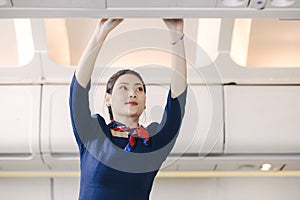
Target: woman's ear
107,98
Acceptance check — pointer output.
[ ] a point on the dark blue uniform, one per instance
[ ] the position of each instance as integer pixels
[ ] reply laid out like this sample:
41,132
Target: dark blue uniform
107,171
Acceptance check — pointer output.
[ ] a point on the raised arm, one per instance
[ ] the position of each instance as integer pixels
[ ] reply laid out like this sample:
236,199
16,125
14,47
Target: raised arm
178,63
87,61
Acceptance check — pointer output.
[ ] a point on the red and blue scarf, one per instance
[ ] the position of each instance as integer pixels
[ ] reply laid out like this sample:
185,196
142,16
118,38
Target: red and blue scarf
134,134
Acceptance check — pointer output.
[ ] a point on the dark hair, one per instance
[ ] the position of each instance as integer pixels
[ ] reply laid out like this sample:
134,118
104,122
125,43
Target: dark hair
112,80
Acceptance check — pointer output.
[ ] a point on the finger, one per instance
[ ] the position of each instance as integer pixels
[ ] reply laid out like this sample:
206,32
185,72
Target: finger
103,20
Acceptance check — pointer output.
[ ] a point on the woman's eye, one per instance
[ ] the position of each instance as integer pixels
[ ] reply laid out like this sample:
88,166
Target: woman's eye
140,89
123,87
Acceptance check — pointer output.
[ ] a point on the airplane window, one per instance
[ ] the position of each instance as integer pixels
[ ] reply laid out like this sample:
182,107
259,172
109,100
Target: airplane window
266,43
16,41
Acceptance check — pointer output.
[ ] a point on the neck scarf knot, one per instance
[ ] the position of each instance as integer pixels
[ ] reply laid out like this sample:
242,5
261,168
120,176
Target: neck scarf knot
134,134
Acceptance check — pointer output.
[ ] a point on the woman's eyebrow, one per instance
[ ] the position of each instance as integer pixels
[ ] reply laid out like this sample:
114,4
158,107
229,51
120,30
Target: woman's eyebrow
125,83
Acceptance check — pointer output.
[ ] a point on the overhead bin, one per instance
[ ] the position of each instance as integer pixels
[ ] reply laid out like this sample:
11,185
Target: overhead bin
150,9
199,133
262,119
58,145
59,4
160,4
20,112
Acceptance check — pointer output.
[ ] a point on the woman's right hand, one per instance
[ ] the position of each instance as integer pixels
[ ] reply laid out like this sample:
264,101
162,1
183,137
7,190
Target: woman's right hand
107,25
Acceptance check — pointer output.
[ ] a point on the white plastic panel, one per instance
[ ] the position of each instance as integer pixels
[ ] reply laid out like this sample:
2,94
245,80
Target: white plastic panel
19,135
20,107
57,134
57,140
188,164
60,3
258,188
139,3
65,188
233,3
160,4
197,3
262,119
21,188
185,188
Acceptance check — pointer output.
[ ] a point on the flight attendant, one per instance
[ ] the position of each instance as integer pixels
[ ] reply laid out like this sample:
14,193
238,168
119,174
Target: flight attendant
120,160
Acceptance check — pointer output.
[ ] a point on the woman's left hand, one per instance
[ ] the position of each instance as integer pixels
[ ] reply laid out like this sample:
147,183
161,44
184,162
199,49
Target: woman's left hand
174,24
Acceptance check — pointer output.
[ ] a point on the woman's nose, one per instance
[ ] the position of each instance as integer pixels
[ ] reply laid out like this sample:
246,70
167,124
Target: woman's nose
132,94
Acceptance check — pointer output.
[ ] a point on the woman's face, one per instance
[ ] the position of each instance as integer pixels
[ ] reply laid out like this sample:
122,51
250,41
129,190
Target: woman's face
128,97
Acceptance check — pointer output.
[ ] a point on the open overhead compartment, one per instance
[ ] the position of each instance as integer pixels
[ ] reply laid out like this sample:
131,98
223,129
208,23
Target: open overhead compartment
19,62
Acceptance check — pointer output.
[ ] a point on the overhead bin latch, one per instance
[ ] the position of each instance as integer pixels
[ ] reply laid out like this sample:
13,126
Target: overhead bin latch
258,4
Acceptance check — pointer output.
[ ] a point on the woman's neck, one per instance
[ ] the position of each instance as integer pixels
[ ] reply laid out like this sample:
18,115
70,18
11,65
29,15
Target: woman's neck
131,122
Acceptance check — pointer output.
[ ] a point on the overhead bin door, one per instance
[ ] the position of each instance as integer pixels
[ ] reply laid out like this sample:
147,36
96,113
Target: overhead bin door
262,119
19,119
159,4
58,144
19,135
59,3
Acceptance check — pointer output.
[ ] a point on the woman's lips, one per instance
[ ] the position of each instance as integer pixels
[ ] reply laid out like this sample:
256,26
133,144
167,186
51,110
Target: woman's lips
132,103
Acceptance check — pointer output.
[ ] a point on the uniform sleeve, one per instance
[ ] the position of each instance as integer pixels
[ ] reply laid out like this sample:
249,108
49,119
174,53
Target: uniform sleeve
85,126
166,132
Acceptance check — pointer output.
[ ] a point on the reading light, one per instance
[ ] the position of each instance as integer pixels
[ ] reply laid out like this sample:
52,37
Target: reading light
265,167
